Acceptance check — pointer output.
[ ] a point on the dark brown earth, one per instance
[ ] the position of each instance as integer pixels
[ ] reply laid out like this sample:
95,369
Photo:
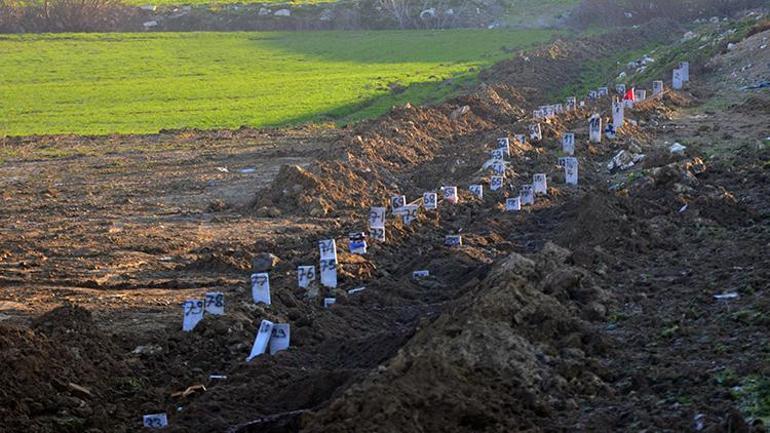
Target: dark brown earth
591,311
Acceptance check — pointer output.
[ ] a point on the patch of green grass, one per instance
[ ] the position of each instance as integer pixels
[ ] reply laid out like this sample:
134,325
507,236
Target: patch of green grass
753,396
141,83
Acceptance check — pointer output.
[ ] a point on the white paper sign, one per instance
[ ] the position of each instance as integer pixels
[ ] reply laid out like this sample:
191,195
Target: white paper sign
155,420
618,114
498,168
571,170
430,200
593,95
357,243
377,234
260,288
328,302
571,103
329,273
513,204
495,183
568,143
603,91
527,195
535,132
453,240
420,274
328,249
280,337
497,154
397,201
678,80
215,303
305,276
504,144
193,314
657,88
540,184
409,213
640,95
262,340
685,68
477,190
377,217
621,89
595,129
450,194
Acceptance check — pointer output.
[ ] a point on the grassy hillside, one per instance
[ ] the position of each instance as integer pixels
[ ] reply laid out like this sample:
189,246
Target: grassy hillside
141,83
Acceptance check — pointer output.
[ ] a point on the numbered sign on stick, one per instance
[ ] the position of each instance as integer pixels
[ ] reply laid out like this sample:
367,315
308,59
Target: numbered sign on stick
450,194
453,240
409,213
420,274
328,302
499,168
430,200
377,234
535,133
527,195
571,104
640,95
215,303
540,184
603,91
329,273
568,143
571,171
685,68
504,144
677,80
496,183
497,154
595,129
193,314
513,204
397,201
620,89
618,114
657,88
593,95
328,249
477,190
260,288
280,337
377,217
262,340
305,276
357,243
155,420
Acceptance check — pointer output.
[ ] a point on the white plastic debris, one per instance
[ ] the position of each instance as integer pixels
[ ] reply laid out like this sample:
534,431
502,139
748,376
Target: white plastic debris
726,296
677,149
624,160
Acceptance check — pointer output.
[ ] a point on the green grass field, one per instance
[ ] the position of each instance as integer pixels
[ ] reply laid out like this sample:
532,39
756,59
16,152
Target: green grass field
141,83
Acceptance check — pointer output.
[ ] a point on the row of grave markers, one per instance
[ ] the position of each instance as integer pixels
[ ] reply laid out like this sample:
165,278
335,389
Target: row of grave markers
275,337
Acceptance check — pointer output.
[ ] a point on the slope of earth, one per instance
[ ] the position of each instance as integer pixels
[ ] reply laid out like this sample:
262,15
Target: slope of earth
592,310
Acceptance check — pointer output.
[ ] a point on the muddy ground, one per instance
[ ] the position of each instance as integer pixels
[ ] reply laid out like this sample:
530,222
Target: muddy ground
592,310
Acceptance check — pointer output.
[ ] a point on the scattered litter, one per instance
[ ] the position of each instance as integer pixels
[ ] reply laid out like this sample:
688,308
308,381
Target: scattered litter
726,296
189,391
217,377
356,290
683,208
147,350
624,160
699,422
760,85
223,169
677,149
248,170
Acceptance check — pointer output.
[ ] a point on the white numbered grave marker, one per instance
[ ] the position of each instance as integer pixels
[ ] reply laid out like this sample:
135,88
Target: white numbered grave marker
504,144
540,184
499,168
513,204
535,133
571,171
620,89
560,163
593,95
328,249
260,288
603,91
420,274
550,112
357,243
453,241
609,131
685,68
193,313
262,340
495,183
215,303
538,114
477,190
397,201
571,103
450,194
155,420
329,273
527,194
328,302
521,138
558,108
430,200
595,129
280,337
677,80
497,154
657,88
377,217
377,234
409,213
305,276
618,114
640,95
568,143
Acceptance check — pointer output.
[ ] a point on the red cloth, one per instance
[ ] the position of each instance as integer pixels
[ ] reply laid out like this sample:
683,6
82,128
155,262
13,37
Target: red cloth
630,95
